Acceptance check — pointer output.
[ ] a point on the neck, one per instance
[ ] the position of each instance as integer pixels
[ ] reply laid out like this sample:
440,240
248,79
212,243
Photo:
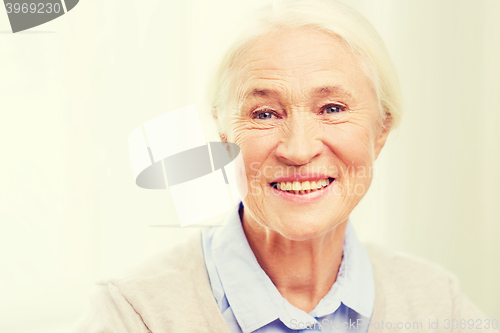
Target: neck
302,271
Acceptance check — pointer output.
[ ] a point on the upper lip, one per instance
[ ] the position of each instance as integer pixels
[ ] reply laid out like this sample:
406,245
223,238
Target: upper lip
301,178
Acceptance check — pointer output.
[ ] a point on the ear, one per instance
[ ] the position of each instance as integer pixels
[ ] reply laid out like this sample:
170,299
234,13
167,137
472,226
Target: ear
383,134
229,147
223,137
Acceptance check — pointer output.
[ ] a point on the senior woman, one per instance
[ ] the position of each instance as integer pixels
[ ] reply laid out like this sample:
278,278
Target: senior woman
309,95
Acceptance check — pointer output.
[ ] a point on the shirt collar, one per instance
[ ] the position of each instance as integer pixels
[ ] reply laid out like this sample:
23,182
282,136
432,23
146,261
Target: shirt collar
354,285
256,302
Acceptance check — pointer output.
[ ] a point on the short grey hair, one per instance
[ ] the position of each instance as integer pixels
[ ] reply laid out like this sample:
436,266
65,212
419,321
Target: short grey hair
329,16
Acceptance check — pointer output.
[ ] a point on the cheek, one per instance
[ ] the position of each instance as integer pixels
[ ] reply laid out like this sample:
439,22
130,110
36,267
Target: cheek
256,146
352,144
353,147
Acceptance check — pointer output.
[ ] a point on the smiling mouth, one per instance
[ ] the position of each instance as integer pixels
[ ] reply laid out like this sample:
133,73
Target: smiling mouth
302,187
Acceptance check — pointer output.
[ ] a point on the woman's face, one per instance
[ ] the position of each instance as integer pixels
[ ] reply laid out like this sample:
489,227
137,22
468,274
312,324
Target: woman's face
305,117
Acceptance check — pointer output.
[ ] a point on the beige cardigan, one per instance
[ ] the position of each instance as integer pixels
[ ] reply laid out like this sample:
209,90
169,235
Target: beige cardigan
171,292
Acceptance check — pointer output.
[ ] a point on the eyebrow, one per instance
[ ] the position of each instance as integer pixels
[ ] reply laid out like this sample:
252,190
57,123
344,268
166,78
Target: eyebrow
260,92
337,91
332,90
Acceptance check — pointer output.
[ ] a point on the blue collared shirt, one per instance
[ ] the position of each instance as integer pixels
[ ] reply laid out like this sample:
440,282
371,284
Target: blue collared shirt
249,301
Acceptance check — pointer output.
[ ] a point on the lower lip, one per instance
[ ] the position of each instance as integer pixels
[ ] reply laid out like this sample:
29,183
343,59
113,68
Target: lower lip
302,198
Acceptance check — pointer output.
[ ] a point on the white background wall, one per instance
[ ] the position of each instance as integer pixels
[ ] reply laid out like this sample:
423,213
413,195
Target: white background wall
73,89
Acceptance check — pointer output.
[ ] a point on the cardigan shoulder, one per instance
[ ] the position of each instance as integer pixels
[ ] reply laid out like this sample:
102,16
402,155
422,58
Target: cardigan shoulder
167,292
408,271
415,292
170,292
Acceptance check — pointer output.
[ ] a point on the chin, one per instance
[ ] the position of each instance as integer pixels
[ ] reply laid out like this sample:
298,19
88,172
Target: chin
304,229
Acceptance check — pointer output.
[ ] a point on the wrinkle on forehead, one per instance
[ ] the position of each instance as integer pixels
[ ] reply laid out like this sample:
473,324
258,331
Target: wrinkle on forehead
325,91
297,70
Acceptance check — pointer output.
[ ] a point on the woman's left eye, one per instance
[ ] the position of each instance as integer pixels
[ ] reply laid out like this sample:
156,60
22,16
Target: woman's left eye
333,108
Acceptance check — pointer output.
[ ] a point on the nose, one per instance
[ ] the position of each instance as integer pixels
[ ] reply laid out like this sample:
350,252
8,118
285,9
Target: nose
301,141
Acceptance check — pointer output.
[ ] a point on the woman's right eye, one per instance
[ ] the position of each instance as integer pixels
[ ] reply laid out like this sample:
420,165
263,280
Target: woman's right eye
264,115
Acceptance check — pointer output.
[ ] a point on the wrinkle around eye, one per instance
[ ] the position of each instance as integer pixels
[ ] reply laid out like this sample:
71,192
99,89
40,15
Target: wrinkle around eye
243,123
261,125
334,121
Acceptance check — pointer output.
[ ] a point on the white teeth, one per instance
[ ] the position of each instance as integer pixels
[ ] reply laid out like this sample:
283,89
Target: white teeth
304,187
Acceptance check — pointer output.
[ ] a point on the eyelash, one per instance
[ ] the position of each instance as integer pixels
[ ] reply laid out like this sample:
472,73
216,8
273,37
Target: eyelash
256,114
341,108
